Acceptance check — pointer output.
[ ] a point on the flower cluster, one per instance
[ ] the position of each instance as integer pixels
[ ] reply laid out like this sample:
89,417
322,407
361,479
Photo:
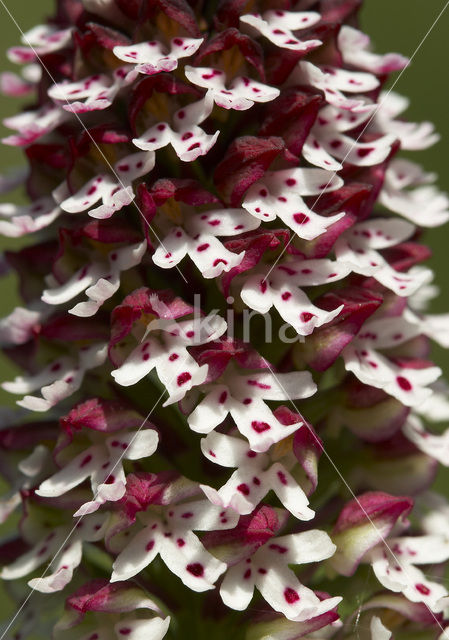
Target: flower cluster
199,174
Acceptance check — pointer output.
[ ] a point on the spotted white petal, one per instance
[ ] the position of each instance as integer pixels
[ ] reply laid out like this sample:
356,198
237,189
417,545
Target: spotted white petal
152,57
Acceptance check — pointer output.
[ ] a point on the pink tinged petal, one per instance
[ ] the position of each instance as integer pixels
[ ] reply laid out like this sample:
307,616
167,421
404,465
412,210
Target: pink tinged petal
108,485
138,554
378,630
189,149
426,549
73,473
173,249
435,446
222,222
32,559
281,589
409,386
8,505
88,87
340,120
43,39
280,196
200,515
134,165
207,253
180,375
257,294
423,205
132,629
156,137
279,29
333,81
358,248
11,84
98,293
360,154
62,574
296,309
279,386
33,465
412,136
237,588
108,284
135,444
88,195
408,580
138,364
152,57
355,48
211,411
20,220
187,138
115,200
75,285
258,424
212,258
241,95
314,152
339,79
289,492
18,327
69,379
242,492
228,451
310,273
196,567
25,384
200,331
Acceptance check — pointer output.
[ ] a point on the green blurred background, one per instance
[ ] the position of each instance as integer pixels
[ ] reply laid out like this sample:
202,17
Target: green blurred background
394,25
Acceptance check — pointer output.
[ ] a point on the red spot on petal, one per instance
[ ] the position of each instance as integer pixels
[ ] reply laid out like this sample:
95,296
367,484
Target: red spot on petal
277,547
196,569
243,488
180,542
183,378
422,589
305,316
301,218
290,595
282,477
247,574
150,545
260,427
404,383
85,461
364,152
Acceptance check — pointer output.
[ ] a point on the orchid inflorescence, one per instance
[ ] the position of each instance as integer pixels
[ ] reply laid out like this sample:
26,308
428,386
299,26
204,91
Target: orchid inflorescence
224,335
